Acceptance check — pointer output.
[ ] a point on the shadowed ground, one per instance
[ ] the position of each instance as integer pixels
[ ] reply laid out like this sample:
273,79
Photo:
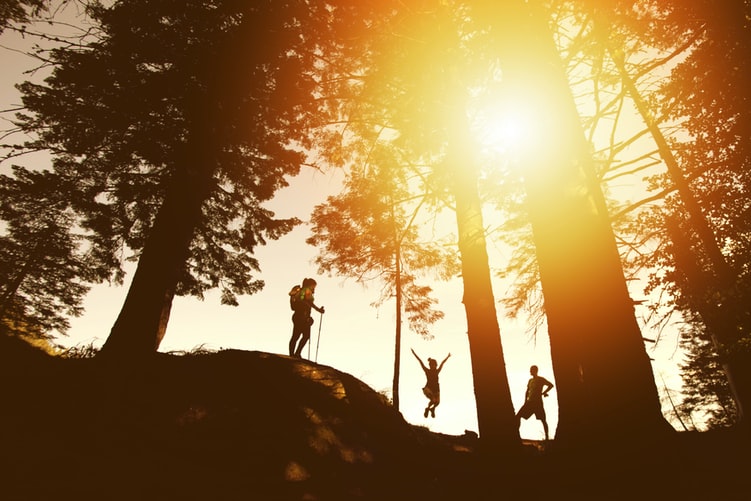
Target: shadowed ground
252,425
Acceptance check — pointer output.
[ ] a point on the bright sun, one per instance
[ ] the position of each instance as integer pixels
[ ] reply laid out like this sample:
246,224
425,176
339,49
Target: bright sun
505,126
503,131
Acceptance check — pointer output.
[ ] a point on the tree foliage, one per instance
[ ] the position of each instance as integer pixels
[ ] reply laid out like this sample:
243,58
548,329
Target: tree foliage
44,270
361,231
706,92
370,231
176,126
706,392
19,11
696,226
173,128
118,113
663,58
410,92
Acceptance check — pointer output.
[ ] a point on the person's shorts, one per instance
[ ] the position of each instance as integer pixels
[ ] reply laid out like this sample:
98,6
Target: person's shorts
433,395
530,408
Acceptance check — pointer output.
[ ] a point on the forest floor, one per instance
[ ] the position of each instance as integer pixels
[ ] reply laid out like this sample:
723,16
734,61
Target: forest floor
252,425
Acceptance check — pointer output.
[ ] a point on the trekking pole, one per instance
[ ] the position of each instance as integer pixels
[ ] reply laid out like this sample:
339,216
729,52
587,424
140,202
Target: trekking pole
309,348
318,341
309,342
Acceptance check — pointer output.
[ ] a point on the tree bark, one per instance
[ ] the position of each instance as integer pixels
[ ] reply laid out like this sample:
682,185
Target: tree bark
143,319
498,427
604,379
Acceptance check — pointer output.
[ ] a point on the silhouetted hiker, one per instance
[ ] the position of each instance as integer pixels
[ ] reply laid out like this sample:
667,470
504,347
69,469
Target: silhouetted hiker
301,319
432,389
537,387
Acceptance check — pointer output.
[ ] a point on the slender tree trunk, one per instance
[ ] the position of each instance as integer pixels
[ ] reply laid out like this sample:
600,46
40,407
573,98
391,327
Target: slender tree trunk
722,331
696,215
604,379
718,319
398,336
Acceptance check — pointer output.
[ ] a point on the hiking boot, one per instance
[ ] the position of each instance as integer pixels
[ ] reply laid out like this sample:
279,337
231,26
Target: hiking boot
426,412
432,412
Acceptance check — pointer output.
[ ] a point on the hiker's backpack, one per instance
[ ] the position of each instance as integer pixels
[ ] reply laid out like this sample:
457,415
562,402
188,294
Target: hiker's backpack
295,297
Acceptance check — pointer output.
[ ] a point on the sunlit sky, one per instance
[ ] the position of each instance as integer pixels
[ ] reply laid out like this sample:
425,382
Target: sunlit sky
354,337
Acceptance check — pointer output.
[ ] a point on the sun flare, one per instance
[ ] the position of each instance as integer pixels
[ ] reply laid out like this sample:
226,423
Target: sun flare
504,131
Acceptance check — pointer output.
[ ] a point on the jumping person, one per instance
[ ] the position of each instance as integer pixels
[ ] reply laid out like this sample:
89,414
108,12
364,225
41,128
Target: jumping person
301,319
432,389
537,387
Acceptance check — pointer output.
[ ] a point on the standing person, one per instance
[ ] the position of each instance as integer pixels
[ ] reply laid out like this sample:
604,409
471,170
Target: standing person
301,319
537,387
432,389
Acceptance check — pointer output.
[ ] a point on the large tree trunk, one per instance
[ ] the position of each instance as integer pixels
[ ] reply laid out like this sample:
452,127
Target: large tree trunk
604,379
142,321
498,428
